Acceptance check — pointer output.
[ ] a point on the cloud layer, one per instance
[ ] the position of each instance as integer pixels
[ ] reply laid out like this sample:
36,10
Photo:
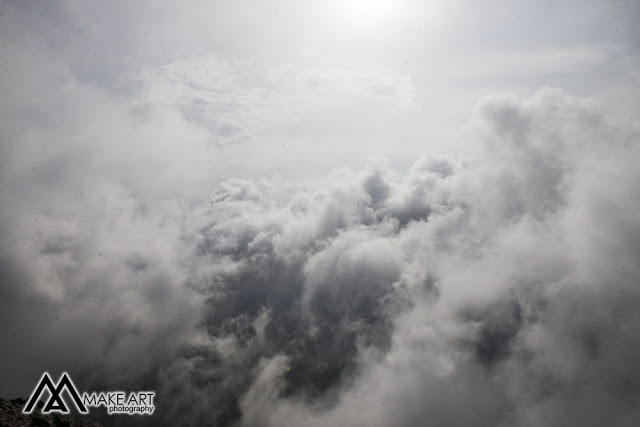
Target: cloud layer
494,290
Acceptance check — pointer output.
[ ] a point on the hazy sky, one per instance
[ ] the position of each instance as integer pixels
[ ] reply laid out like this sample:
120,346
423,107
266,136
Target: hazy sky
325,212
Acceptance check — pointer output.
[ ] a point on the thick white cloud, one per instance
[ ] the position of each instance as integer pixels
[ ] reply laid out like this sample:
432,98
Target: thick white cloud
504,281
523,328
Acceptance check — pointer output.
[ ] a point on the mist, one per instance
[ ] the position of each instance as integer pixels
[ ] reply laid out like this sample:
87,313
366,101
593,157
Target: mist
321,234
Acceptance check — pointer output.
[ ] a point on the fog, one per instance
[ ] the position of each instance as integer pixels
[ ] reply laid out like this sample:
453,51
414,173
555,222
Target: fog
304,218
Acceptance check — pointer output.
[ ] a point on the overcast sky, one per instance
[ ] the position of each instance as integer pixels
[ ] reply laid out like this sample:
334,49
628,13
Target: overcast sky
325,212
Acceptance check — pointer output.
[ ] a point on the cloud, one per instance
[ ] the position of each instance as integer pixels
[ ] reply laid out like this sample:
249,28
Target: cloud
493,290
488,299
235,100
164,226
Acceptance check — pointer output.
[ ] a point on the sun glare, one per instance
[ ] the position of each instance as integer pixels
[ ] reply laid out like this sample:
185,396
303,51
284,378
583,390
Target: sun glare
366,14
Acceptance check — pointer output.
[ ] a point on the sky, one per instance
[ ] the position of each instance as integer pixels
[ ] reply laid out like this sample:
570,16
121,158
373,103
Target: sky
358,213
